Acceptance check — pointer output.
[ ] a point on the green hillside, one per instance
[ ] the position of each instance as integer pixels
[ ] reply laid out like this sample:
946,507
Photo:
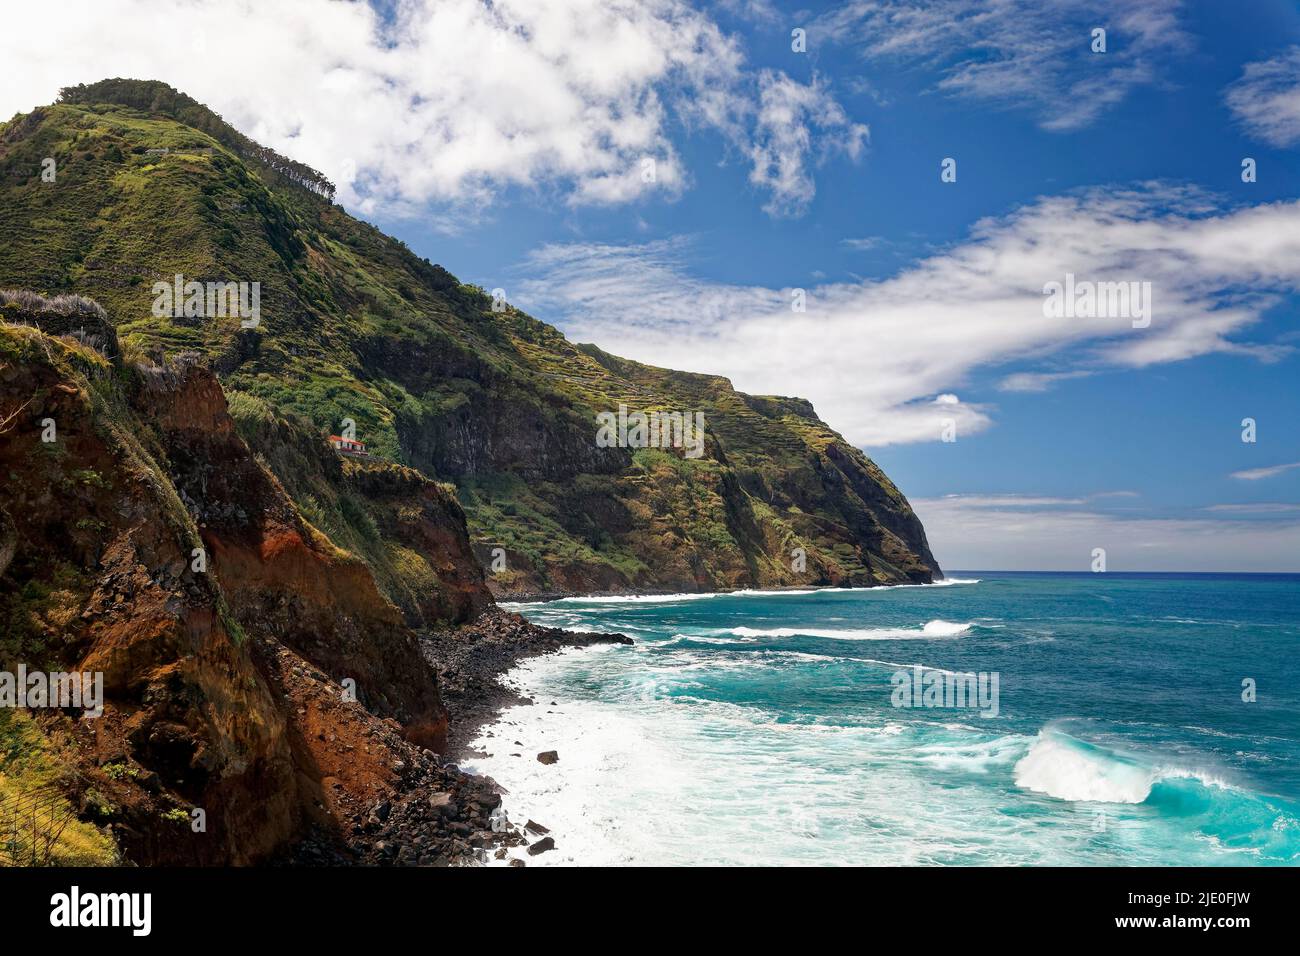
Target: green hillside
497,404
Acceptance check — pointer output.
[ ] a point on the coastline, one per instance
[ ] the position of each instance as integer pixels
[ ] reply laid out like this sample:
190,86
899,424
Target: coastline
471,661
435,812
425,810
538,597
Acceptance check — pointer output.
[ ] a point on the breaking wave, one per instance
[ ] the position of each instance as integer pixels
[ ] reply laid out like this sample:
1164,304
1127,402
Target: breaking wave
932,630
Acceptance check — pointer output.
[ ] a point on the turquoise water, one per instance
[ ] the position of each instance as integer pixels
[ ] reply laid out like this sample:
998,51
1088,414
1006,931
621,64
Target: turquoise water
762,727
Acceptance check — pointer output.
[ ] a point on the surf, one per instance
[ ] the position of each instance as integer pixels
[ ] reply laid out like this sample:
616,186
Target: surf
931,630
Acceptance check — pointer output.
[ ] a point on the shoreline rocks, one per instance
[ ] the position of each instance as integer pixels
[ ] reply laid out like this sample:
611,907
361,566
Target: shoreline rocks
435,814
471,659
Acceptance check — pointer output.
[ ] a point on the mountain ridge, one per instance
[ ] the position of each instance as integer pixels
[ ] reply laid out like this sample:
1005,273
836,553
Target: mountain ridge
435,375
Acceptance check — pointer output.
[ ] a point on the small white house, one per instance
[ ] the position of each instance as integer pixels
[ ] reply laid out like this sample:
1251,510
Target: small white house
349,446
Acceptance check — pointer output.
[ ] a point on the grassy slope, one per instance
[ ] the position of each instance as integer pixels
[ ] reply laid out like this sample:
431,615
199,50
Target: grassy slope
30,762
355,326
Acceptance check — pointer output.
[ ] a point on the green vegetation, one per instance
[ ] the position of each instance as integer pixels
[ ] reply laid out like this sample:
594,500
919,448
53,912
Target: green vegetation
31,764
355,326
120,771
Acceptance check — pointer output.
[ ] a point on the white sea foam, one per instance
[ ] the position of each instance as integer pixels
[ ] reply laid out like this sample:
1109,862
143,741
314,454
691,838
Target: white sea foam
932,630
653,772
973,755
698,639
1069,769
664,778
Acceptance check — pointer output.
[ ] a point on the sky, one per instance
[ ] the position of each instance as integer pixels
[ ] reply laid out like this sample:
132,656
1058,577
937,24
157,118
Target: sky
674,180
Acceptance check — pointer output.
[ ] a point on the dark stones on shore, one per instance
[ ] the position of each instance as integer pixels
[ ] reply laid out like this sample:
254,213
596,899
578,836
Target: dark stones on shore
434,816
434,813
470,661
541,846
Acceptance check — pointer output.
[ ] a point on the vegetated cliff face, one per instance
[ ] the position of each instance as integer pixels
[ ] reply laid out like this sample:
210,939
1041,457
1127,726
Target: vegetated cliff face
353,326
144,541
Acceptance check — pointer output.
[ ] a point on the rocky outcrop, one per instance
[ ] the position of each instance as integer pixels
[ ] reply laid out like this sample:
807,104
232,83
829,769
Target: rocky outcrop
281,577
246,659
71,315
102,580
424,520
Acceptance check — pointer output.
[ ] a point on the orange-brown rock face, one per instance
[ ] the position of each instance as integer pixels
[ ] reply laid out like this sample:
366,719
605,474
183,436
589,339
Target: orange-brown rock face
283,579
147,543
101,580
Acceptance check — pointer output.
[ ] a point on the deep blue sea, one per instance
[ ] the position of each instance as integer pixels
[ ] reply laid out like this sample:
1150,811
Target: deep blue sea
781,727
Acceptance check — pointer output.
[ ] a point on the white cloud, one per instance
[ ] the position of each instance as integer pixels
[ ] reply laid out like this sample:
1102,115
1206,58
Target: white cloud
1259,508
1033,54
972,536
874,355
1037,381
1255,474
451,101
863,244
1266,99
1009,501
780,154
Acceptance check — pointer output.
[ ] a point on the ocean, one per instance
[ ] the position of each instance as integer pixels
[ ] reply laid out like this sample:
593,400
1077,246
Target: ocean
1115,719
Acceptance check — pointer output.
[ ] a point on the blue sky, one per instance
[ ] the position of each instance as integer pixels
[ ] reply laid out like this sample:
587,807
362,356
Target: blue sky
508,144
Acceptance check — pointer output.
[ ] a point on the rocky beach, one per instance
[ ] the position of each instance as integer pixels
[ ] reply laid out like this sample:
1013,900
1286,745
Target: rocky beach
430,812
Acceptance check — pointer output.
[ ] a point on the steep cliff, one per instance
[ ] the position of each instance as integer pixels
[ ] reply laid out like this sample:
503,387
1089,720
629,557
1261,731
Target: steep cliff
145,542
355,329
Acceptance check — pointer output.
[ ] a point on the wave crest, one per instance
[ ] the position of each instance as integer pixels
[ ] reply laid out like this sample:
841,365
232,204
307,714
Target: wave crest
1067,768
931,630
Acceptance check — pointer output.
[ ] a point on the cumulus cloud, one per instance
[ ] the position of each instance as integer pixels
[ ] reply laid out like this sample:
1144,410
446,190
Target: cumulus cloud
452,101
789,112
864,244
1266,99
1031,54
886,360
